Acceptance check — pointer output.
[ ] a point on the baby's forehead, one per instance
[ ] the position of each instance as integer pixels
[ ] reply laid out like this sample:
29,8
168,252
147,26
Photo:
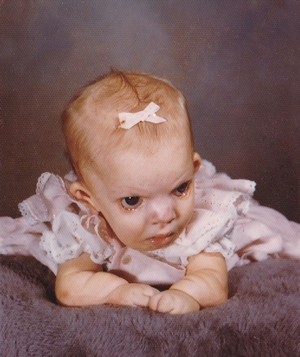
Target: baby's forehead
144,160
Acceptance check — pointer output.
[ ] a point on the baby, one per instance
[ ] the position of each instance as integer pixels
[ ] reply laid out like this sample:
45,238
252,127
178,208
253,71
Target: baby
142,221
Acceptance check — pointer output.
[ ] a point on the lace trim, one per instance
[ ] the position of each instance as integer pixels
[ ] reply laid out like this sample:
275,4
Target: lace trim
27,214
34,210
42,181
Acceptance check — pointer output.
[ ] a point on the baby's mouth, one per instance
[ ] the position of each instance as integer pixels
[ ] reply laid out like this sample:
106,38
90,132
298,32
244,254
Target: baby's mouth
161,240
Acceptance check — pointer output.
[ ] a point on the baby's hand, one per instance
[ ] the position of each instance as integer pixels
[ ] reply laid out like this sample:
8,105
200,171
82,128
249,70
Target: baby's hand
173,302
131,295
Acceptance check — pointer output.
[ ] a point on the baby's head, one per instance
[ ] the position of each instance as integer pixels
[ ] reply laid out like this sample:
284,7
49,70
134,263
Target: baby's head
91,124
140,179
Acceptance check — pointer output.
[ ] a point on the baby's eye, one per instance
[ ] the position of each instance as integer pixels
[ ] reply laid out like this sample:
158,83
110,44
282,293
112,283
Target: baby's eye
183,189
131,202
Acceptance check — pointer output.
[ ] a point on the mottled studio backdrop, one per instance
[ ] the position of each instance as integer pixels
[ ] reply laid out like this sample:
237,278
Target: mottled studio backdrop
237,61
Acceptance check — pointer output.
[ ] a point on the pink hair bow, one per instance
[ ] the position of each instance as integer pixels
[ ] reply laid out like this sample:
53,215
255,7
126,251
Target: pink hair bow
128,120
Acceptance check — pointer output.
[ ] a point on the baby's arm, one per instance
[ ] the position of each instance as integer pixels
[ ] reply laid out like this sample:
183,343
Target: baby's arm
81,282
205,284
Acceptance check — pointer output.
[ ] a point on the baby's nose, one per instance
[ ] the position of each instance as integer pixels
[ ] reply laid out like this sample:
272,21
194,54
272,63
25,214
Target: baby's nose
163,211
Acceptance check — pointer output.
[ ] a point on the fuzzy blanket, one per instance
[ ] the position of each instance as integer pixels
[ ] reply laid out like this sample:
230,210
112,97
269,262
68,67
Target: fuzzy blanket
261,318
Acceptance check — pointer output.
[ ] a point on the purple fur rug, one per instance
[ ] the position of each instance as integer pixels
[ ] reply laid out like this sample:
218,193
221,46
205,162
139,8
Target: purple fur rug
261,318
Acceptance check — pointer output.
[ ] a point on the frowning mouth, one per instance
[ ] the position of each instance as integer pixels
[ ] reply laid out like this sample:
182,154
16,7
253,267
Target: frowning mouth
161,240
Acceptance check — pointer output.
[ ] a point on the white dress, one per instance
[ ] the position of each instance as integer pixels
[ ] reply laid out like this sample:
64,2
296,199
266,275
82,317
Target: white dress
55,227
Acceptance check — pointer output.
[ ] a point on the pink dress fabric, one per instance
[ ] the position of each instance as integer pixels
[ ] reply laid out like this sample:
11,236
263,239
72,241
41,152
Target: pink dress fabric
54,227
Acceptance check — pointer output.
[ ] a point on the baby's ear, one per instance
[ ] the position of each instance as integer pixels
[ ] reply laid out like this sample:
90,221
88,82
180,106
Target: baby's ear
197,161
81,193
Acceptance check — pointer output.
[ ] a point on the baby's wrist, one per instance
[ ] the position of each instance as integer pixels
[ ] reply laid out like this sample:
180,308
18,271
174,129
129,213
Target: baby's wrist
188,295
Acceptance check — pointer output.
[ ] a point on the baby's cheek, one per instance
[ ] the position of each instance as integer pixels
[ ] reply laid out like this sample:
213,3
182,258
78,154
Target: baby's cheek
187,210
128,231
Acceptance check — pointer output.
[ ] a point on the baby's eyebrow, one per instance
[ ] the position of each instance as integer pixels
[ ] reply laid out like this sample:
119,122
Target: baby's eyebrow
141,191
127,192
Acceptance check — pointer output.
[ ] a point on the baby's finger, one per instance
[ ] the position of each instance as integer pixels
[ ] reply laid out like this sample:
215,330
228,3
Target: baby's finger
160,302
143,294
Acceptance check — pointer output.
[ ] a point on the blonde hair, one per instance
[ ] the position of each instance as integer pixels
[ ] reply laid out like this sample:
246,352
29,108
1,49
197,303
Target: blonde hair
91,125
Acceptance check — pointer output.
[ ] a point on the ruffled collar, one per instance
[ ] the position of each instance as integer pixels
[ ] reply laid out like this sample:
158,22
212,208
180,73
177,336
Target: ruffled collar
219,200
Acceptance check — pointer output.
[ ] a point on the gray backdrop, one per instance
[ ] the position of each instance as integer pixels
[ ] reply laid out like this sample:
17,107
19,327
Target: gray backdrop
237,63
